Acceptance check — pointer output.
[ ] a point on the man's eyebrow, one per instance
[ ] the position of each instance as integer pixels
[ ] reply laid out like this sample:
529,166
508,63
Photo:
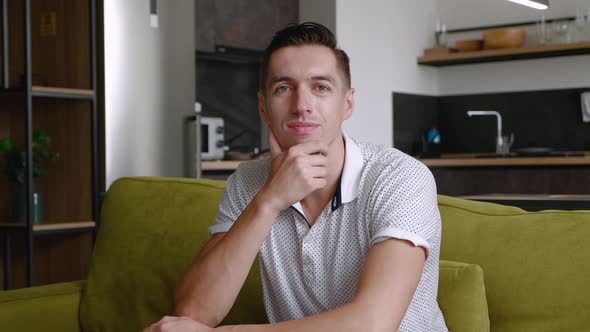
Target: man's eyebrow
276,79
324,78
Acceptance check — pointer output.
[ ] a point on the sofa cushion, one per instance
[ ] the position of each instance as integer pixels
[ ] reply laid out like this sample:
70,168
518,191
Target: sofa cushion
462,297
43,308
150,231
536,264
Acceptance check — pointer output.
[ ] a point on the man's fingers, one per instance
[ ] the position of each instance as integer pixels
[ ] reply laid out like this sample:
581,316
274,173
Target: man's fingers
317,160
319,183
273,144
318,172
312,147
166,318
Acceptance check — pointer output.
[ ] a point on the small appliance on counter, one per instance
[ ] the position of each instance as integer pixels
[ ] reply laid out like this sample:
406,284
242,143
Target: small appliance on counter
212,138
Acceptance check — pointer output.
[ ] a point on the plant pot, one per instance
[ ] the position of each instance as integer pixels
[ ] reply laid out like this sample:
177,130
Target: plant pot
19,206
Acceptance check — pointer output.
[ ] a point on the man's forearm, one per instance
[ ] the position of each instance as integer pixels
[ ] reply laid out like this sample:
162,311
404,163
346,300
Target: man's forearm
208,290
348,318
389,279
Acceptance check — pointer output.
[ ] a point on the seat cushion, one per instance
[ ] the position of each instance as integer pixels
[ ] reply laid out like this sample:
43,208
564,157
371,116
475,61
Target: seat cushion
462,297
150,231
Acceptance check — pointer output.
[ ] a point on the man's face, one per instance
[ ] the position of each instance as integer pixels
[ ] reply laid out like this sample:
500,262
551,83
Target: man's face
306,97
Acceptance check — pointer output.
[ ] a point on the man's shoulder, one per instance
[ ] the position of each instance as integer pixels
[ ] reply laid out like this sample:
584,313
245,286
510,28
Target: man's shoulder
387,158
389,167
250,175
257,166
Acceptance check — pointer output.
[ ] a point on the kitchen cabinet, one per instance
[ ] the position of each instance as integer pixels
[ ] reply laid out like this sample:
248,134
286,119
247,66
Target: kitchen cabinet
565,177
241,24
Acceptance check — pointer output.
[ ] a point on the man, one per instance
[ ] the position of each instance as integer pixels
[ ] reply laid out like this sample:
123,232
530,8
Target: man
348,234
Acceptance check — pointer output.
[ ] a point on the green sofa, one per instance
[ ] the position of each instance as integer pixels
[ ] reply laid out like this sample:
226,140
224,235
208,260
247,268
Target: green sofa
502,269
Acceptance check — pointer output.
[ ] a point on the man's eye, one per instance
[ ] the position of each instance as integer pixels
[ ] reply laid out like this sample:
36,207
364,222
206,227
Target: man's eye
322,87
282,88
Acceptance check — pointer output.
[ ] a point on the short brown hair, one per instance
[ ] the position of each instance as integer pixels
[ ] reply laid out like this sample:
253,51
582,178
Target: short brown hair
308,33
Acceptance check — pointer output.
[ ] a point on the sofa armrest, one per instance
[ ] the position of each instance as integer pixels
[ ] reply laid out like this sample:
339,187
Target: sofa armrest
45,308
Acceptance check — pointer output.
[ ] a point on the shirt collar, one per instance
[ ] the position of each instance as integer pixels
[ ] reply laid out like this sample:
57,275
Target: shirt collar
350,179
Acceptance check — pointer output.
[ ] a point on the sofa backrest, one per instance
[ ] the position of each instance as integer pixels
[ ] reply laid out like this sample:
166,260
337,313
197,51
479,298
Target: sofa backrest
150,231
536,265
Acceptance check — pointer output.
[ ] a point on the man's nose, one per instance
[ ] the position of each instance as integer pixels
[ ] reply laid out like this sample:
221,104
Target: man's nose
303,101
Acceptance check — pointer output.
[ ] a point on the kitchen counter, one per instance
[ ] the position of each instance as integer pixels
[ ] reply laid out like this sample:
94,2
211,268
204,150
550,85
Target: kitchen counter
483,160
455,160
221,165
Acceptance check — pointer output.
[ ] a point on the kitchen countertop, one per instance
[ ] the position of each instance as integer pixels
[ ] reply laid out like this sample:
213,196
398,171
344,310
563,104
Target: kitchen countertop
221,165
486,160
455,160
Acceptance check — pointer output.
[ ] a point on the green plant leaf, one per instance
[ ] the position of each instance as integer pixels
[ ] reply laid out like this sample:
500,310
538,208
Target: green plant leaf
17,159
41,137
6,144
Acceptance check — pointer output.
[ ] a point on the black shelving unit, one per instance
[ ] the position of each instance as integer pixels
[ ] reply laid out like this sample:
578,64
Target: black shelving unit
4,43
31,230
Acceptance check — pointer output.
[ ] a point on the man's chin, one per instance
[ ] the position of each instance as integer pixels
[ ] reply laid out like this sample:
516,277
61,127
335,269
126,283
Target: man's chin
300,139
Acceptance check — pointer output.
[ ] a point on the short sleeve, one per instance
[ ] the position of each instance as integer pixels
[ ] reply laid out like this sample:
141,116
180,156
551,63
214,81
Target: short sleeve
240,189
403,205
230,207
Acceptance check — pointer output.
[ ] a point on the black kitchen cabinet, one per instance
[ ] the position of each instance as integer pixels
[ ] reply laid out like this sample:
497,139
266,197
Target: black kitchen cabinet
241,24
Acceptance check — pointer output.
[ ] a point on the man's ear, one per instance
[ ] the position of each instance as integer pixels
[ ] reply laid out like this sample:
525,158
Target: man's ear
262,108
349,103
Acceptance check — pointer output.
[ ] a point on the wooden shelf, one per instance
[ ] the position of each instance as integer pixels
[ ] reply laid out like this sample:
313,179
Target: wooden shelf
52,227
521,53
64,226
54,92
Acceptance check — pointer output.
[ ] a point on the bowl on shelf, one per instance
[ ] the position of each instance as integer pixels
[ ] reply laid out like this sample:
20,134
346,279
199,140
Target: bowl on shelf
469,45
503,38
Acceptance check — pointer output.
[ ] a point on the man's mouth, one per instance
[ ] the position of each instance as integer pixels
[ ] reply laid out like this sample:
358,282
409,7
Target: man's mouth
301,124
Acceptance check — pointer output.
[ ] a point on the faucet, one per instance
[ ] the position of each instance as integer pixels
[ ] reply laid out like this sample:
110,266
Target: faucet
499,142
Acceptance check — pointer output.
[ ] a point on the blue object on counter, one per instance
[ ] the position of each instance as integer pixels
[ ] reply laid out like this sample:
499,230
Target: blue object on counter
433,135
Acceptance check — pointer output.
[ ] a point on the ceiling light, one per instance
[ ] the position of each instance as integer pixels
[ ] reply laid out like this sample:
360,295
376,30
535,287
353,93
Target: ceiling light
537,4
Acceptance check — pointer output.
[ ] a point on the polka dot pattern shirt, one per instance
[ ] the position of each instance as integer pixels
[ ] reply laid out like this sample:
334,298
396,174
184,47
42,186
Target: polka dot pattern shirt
383,193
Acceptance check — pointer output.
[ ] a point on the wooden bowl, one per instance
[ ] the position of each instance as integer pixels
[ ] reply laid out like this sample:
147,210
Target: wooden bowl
469,45
503,38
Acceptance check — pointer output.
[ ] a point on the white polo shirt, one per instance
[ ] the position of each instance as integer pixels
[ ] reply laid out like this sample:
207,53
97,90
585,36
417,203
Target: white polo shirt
383,193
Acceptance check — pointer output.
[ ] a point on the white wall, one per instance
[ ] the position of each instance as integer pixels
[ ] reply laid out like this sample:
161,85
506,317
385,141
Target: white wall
323,12
149,87
383,38
522,75
472,13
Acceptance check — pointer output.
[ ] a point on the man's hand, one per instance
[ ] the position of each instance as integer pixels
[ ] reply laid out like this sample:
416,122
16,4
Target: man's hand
178,324
295,173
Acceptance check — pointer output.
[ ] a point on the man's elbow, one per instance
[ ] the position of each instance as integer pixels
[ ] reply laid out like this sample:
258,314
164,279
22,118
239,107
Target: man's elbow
189,306
197,312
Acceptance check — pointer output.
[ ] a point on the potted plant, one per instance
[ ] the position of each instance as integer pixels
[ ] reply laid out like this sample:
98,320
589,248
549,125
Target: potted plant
16,166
